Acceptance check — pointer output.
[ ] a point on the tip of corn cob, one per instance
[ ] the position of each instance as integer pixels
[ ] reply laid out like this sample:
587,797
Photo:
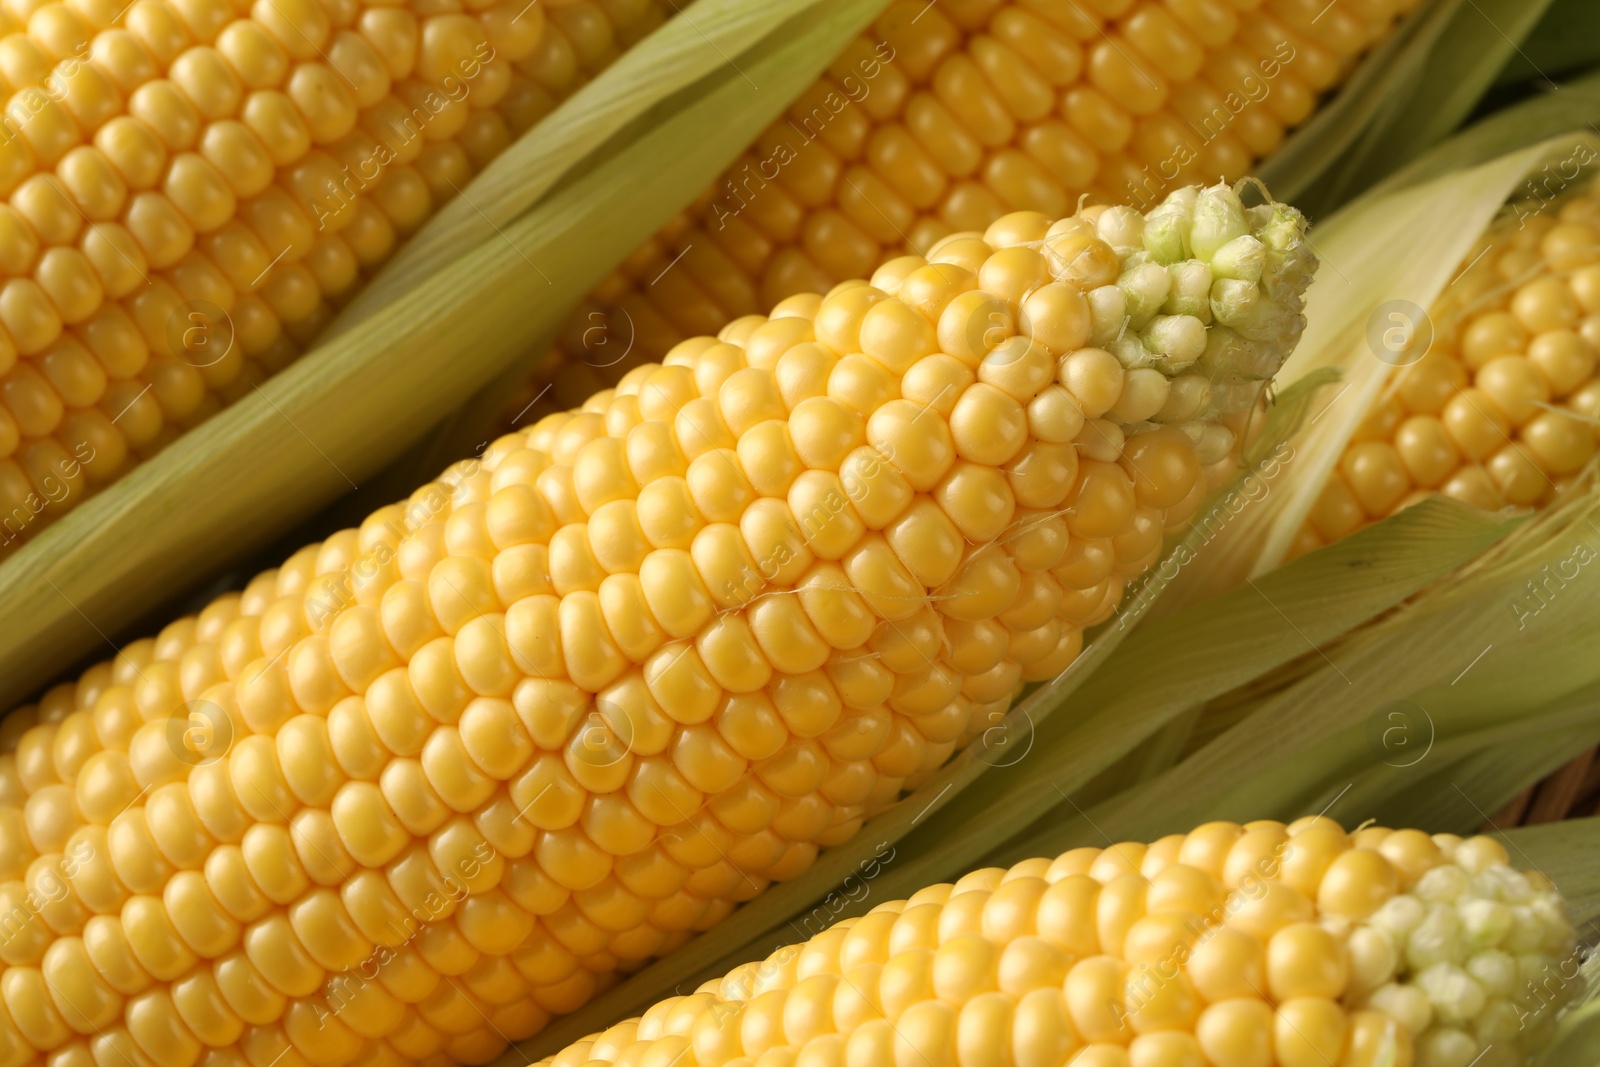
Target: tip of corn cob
1207,293
1260,945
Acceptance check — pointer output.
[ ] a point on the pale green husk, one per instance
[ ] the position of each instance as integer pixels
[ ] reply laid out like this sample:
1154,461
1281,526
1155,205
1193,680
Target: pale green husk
1562,42
1469,43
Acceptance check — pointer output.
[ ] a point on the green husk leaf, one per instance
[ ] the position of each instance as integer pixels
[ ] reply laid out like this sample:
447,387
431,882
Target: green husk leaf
1459,67
1563,41
1575,107
1568,853
1477,775
1391,72
339,414
1304,742
1577,1037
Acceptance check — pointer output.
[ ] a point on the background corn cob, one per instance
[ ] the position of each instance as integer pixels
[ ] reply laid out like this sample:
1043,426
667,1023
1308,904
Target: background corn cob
944,117
169,164
1504,407
1231,946
443,776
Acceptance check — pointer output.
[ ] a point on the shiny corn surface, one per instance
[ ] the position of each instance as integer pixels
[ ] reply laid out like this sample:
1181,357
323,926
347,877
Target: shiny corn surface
190,189
444,776
941,119
1503,408
1232,946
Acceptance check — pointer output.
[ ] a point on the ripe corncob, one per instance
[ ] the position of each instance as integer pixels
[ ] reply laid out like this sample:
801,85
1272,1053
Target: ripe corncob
1233,946
632,664
1504,407
169,163
941,118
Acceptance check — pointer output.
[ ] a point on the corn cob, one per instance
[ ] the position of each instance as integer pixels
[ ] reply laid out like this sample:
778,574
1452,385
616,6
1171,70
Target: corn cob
1231,946
943,117
439,778
1504,407
194,188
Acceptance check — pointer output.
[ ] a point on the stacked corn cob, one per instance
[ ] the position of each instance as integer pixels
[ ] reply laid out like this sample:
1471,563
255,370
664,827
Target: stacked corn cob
439,778
195,193
192,189
941,118
1232,946
1504,408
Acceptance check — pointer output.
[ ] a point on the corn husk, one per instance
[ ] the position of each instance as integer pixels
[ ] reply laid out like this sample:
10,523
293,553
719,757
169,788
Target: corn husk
1577,1040
1439,85
1392,74
1562,42
1567,853
492,273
